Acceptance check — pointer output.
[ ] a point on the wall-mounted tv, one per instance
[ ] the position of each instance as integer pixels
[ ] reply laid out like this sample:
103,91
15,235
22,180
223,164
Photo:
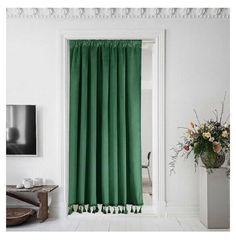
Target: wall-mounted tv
21,134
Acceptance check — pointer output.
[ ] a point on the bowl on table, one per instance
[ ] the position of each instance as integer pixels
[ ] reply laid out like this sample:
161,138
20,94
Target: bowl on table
16,216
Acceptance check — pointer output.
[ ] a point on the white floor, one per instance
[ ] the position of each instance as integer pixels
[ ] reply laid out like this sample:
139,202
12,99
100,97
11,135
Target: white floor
147,190
147,186
121,222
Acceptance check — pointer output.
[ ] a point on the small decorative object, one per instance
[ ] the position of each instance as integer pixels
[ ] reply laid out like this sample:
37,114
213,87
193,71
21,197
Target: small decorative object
28,183
208,141
38,182
16,216
20,185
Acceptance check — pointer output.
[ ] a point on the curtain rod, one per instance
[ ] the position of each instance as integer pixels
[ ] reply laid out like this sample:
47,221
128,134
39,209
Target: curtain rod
144,41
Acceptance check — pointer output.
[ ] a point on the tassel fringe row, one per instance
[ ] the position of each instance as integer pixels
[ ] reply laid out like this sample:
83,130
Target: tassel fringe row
106,209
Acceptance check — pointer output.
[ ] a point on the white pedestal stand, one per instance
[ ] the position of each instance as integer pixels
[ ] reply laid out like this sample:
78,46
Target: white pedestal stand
214,198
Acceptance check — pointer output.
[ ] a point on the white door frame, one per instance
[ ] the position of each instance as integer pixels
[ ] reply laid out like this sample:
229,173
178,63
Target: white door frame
158,107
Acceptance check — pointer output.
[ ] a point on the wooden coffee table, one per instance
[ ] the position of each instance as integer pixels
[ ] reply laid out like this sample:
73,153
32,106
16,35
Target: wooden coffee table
42,195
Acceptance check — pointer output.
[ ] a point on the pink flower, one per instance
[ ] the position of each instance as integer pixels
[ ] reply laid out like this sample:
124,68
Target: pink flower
186,147
217,147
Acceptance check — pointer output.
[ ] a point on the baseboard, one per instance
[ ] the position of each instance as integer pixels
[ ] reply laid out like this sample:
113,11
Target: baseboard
178,210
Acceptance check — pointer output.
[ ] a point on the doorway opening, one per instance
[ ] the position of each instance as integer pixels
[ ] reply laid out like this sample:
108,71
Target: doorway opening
146,124
153,96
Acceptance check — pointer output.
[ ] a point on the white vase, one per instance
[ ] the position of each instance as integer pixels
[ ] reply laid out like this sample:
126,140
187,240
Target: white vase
214,198
38,181
28,183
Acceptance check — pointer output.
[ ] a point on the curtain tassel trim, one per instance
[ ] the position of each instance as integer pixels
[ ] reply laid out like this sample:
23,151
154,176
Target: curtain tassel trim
106,209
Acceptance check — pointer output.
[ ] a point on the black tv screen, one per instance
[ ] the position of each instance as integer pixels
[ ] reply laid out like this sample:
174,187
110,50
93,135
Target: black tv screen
21,130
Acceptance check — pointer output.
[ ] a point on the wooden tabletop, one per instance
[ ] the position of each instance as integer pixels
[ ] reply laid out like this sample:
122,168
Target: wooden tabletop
43,188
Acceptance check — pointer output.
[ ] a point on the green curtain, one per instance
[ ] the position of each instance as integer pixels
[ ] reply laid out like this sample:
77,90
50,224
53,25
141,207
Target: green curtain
105,125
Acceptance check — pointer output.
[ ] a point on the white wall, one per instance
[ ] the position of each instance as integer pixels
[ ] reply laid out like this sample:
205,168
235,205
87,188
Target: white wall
197,74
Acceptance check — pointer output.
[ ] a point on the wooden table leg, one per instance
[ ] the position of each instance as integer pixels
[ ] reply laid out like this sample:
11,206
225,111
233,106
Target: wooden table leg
42,214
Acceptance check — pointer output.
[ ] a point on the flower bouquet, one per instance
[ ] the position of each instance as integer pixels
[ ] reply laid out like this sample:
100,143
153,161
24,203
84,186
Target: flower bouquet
208,141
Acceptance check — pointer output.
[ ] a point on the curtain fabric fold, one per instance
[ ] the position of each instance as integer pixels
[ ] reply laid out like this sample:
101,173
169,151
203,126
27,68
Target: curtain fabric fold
105,125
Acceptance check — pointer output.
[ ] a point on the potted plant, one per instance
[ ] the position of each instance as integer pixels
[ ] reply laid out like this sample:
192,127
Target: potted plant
209,142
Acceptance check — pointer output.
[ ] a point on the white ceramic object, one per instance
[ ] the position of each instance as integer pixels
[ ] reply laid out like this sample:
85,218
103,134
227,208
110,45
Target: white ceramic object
214,198
20,185
28,183
38,181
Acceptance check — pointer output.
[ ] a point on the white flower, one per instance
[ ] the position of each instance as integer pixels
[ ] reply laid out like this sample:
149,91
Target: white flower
206,135
202,126
211,127
225,134
211,139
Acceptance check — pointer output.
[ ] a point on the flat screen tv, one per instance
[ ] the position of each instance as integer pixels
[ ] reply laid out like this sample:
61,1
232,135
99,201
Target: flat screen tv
21,137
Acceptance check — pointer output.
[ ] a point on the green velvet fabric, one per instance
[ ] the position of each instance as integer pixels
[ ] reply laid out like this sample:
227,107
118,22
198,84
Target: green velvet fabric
105,122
